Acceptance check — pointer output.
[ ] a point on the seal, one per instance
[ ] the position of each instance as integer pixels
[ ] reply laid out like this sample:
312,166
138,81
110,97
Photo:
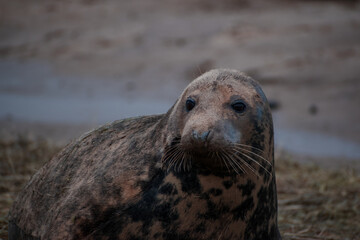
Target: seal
203,170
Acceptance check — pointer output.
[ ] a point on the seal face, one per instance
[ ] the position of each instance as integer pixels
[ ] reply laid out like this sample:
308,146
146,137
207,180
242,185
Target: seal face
203,170
214,123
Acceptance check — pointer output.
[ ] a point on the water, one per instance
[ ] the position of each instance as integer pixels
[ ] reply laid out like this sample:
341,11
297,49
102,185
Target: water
76,110
33,92
316,144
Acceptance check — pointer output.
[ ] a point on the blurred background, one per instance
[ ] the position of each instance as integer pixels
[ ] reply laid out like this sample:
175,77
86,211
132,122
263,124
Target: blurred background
68,66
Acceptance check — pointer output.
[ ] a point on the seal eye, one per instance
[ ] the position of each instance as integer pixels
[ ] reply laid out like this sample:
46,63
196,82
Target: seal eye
190,104
239,107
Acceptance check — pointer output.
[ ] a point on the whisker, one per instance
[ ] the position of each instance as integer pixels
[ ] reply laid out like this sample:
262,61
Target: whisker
242,161
233,167
173,147
181,165
241,149
177,161
181,161
165,158
170,150
223,160
215,155
232,162
169,154
245,145
255,162
174,159
246,164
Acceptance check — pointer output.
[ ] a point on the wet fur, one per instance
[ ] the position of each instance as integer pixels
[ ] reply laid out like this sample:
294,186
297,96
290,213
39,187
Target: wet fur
116,183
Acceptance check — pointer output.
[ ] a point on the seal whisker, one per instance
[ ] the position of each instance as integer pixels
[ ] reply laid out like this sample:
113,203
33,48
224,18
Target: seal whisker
234,164
175,161
249,146
174,158
170,149
215,155
252,159
168,154
185,162
238,166
241,149
180,163
246,164
220,156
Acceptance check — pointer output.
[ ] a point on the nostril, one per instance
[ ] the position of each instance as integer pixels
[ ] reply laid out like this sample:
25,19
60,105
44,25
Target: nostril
205,135
195,135
201,137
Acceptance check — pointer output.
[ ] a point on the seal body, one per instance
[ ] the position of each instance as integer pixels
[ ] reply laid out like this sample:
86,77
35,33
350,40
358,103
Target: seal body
203,170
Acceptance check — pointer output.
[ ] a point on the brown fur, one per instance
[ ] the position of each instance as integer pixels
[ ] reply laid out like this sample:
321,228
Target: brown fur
150,178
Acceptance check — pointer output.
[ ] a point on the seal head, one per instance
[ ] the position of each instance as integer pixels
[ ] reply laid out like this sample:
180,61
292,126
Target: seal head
218,123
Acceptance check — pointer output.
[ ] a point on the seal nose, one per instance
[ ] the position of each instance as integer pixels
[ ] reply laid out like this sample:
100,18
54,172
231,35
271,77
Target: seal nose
200,137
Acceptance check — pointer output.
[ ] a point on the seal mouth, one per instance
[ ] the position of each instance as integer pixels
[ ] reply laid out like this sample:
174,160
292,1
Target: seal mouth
235,159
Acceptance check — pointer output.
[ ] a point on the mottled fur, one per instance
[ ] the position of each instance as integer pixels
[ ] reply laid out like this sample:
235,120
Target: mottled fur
117,183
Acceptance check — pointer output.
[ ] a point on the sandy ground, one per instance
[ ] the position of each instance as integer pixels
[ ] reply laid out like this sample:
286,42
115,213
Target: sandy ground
68,66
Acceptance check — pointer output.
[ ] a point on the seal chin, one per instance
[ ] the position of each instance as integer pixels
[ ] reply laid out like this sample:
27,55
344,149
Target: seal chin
205,156
207,161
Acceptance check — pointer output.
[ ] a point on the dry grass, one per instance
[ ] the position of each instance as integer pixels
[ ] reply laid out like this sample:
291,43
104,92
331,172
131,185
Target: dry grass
313,203
19,159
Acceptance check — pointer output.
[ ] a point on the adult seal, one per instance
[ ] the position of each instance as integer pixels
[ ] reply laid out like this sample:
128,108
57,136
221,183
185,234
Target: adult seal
203,170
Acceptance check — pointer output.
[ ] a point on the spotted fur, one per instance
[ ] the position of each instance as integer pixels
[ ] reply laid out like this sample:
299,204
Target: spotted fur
126,180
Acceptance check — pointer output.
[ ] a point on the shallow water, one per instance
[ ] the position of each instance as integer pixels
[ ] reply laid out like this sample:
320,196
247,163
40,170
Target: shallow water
316,144
32,92
76,110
